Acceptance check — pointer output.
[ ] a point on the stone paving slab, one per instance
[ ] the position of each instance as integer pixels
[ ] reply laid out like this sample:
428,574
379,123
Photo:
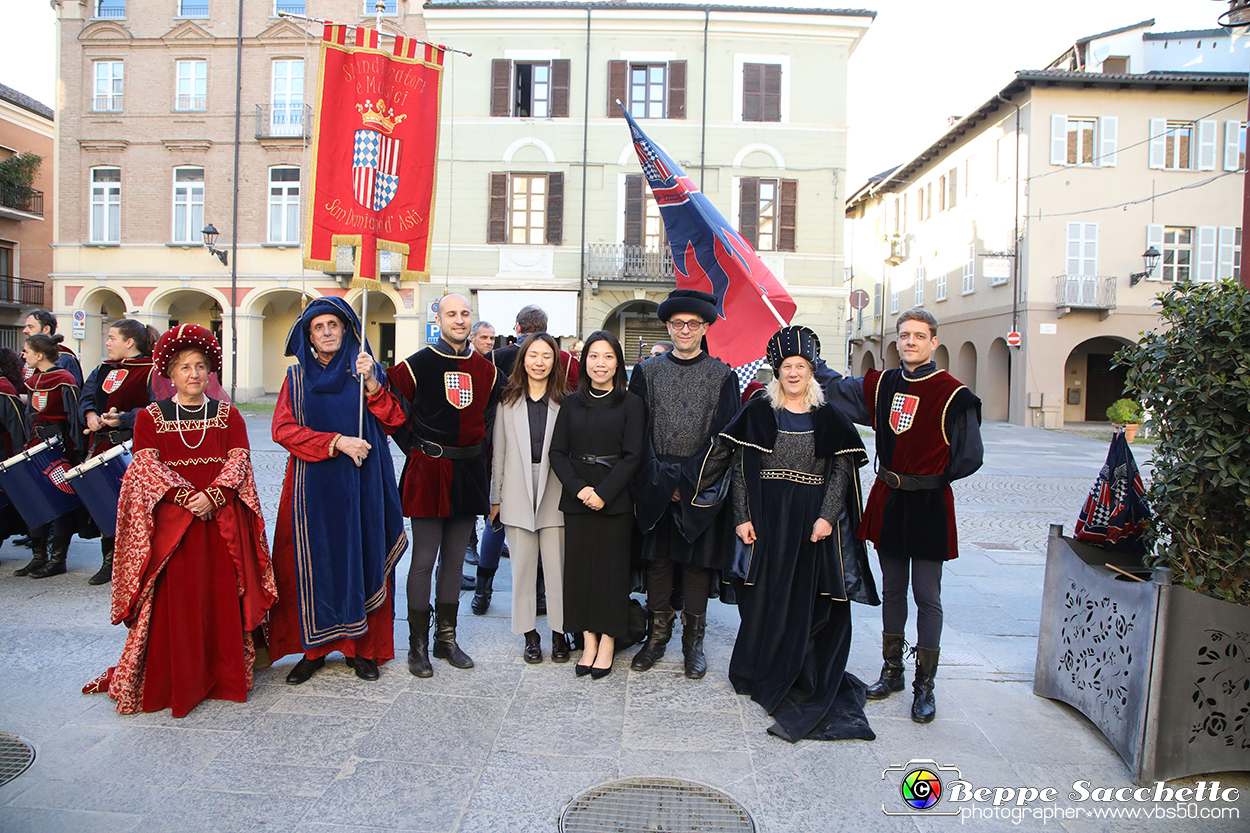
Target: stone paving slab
505,746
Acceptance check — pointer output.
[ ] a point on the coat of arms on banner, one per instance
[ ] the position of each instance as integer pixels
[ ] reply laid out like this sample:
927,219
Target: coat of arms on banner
39,400
375,156
903,411
114,380
459,389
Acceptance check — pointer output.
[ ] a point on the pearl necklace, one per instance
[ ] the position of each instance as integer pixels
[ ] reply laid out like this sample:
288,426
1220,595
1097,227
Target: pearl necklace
600,395
178,422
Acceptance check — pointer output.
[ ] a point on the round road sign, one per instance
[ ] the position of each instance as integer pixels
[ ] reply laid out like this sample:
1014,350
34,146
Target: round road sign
859,299
1013,338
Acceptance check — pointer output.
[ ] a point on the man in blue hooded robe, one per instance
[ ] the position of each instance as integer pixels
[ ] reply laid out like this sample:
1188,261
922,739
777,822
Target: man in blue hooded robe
340,527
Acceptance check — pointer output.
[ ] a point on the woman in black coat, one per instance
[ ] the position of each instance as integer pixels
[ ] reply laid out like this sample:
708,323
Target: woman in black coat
595,449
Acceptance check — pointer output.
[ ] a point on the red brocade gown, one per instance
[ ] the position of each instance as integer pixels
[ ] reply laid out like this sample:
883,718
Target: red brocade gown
189,590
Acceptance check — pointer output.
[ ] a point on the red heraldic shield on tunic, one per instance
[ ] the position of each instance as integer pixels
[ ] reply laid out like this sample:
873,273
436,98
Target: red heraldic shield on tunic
376,111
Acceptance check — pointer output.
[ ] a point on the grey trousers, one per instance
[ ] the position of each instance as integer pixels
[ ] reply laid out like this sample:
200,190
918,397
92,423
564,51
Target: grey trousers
526,548
430,536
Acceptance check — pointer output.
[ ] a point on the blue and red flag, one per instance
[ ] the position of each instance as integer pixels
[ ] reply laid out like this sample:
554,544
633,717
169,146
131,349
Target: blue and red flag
710,255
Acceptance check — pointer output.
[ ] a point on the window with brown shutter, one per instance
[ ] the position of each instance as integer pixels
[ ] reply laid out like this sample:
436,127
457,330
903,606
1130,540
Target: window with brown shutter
749,209
761,92
555,209
768,213
501,87
634,185
787,226
497,217
676,89
618,78
560,78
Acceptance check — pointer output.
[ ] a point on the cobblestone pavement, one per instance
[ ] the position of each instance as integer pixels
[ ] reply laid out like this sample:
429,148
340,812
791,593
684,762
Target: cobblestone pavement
505,745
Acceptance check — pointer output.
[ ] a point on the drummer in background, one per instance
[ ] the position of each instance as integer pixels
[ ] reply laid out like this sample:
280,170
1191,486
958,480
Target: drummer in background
114,392
42,322
51,411
12,431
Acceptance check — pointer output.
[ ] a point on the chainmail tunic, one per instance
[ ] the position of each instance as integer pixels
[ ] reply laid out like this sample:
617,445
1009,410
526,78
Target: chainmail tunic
682,400
794,458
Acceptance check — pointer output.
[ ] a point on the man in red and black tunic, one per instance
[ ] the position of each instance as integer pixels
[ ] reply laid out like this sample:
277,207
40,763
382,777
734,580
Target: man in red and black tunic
928,428
448,393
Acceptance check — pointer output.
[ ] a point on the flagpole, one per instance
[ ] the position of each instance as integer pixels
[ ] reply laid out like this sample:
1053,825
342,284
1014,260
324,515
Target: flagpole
781,322
292,16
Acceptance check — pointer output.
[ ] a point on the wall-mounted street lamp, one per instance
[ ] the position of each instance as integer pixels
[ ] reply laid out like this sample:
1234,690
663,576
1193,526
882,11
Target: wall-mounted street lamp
214,313
210,240
1151,256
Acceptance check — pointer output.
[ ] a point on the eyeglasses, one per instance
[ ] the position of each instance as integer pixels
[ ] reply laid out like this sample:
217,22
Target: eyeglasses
687,326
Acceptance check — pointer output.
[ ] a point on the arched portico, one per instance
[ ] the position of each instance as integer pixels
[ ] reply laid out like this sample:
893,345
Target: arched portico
1091,381
996,393
966,365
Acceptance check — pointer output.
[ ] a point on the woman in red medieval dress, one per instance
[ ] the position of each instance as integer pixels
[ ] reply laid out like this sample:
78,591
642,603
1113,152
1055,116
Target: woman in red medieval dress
192,576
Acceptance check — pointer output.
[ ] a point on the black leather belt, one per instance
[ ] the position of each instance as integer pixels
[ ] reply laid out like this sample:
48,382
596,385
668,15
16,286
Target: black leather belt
591,460
911,482
449,452
117,436
48,430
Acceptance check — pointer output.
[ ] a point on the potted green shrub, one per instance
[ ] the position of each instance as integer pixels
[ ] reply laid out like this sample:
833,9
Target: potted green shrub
1161,666
1127,413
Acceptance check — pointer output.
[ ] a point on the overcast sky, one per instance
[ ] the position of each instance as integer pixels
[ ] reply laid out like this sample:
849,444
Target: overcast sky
921,61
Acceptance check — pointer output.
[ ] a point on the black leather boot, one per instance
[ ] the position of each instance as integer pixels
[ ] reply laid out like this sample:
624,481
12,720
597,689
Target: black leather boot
39,557
105,574
891,678
923,707
692,630
657,639
419,643
58,551
485,589
445,646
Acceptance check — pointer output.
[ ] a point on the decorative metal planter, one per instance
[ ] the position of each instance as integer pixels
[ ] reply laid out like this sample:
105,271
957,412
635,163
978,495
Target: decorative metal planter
1162,671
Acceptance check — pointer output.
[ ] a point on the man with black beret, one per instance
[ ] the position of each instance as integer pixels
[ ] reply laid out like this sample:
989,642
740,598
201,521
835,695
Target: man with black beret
690,397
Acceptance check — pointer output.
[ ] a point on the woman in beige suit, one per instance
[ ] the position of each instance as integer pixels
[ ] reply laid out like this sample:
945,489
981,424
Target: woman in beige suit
525,493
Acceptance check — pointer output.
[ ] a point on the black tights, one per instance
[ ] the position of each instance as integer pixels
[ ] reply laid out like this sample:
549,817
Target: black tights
429,537
926,588
694,586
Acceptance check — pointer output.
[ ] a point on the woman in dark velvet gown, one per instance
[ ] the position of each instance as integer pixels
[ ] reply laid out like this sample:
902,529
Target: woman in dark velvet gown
794,470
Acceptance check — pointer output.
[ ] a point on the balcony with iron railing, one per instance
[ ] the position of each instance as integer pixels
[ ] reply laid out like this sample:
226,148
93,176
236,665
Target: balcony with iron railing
198,9
1096,292
17,291
20,203
283,121
111,9
620,263
289,6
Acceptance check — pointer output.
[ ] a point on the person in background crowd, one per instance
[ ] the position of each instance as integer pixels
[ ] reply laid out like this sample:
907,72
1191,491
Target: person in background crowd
12,431
928,434
51,411
340,527
661,347
42,322
482,334
445,396
690,396
595,450
796,504
525,493
112,397
192,577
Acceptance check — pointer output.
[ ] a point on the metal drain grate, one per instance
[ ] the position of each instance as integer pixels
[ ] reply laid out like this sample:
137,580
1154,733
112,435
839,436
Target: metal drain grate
644,805
15,756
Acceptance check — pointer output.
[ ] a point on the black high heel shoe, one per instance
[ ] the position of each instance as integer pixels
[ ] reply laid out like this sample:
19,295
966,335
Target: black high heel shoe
582,670
599,673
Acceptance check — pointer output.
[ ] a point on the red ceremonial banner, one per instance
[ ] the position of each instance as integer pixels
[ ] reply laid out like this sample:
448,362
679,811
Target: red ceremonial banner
375,152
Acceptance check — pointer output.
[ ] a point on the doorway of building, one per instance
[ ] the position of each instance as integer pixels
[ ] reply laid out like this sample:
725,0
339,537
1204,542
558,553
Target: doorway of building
1104,385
